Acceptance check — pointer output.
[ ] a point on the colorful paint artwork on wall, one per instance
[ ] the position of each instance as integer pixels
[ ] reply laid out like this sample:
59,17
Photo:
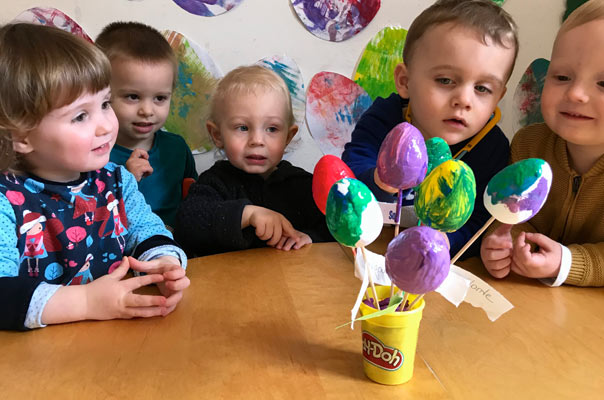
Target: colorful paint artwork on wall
197,77
527,97
334,104
499,2
335,20
375,70
287,69
52,17
207,8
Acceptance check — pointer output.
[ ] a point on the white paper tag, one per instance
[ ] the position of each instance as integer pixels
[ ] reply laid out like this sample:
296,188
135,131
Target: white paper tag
454,288
482,295
408,217
377,263
365,278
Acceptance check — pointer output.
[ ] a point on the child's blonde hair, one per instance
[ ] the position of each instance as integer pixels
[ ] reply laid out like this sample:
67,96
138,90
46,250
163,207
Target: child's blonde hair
137,42
42,68
484,16
245,80
590,11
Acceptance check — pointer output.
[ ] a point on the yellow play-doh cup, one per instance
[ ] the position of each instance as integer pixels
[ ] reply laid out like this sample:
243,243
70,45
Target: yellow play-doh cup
389,342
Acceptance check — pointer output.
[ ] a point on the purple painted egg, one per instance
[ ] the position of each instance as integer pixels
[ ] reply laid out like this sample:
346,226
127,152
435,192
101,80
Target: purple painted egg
418,260
402,161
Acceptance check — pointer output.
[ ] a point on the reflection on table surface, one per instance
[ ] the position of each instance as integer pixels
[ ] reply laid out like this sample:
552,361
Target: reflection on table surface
261,324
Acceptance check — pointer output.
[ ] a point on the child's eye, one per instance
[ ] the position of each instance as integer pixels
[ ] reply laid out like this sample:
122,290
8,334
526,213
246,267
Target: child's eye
444,81
132,97
272,129
106,105
242,128
562,78
601,83
80,117
161,99
482,89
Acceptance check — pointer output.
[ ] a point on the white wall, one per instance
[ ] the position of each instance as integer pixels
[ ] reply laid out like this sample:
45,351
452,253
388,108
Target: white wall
260,28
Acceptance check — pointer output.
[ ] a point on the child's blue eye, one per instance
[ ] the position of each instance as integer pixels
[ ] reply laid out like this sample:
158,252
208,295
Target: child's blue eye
444,81
482,89
242,128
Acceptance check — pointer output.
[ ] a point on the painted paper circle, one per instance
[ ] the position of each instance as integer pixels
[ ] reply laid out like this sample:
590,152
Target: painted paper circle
196,80
335,20
418,260
52,17
207,8
334,104
527,97
445,199
353,215
375,70
517,192
288,70
402,160
328,171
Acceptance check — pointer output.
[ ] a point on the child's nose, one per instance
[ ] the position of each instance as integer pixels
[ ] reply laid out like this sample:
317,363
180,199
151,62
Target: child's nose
256,137
107,124
577,93
462,97
145,108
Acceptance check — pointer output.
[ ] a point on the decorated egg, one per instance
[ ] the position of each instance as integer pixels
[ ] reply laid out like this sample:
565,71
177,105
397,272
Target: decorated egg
417,260
402,160
517,192
353,215
445,199
438,152
328,171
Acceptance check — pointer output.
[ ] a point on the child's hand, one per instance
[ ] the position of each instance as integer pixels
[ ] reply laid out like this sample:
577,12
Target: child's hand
111,296
296,242
496,251
174,283
270,225
542,263
138,164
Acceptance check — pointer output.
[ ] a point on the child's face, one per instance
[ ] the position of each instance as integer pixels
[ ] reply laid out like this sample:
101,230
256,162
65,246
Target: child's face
454,82
70,140
572,102
253,131
141,95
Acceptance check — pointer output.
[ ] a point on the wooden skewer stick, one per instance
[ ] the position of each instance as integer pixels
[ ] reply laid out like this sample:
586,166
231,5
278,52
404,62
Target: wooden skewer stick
472,240
375,295
405,297
418,298
397,215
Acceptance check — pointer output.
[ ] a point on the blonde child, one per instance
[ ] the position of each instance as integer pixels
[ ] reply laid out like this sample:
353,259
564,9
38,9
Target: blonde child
144,70
67,217
568,232
254,198
458,57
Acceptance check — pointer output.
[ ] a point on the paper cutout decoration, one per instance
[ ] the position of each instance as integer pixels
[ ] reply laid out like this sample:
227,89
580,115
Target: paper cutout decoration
334,104
207,8
288,70
335,20
52,17
375,70
197,77
527,97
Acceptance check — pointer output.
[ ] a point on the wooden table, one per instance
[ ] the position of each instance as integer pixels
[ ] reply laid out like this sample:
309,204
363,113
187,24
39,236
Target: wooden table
260,324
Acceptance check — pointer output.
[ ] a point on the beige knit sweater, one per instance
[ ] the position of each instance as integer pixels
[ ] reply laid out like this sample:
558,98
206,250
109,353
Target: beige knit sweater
574,211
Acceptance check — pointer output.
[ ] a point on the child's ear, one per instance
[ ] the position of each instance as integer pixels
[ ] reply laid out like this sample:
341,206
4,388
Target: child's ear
215,133
291,132
401,80
21,143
